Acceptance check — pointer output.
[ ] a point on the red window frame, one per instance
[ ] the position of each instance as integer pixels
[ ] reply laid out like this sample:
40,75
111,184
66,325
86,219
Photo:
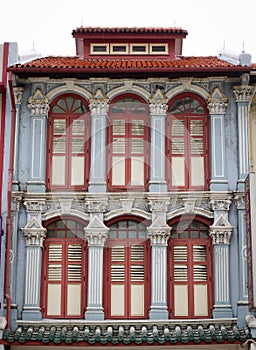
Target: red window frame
79,110
128,113
190,242
64,236
196,110
127,243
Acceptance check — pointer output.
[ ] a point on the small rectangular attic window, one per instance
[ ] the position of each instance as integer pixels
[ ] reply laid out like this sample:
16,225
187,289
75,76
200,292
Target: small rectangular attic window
99,48
119,48
139,48
159,49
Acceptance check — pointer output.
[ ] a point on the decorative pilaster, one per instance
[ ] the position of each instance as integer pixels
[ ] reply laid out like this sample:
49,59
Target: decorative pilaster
39,107
96,234
242,256
159,233
217,105
34,235
18,94
99,105
221,233
158,108
242,96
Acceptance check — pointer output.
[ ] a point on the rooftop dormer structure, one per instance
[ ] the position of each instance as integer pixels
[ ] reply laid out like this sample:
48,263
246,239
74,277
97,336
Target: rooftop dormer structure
132,42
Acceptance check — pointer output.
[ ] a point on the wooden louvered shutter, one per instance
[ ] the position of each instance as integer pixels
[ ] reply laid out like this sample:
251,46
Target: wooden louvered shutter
197,152
178,152
200,280
54,278
65,279
117,280
137,279
180,277
74,279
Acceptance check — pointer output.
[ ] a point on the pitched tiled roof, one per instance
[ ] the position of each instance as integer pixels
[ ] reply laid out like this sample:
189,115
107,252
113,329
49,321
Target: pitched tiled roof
77,65
129,30
126,334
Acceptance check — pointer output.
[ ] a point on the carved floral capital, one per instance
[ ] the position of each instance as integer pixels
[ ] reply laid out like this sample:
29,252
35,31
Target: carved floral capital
242,93
38,103
221,235
18,94
34,233
34,206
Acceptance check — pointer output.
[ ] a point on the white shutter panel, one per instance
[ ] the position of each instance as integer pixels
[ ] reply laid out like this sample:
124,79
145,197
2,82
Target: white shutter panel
137,255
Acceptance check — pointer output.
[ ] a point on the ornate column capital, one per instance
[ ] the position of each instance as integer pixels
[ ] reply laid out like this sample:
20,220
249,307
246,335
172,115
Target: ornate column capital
159,232
217,102
220,204
158,103
18,94
221,231
239,200
34,206
96,232
38,103
242,93
99,103
34,233
221,235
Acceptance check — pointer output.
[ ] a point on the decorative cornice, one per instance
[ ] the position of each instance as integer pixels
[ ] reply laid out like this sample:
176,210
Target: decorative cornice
242,93
34,233
38,103
96,206
18,94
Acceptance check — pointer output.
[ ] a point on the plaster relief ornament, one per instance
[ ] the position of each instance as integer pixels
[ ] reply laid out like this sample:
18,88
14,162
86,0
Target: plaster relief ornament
217,102
38,103
34,233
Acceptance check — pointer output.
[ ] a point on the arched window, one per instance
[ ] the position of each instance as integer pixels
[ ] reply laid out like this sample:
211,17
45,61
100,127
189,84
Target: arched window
187,164
64,270
69,143
190,269
127,279
128,138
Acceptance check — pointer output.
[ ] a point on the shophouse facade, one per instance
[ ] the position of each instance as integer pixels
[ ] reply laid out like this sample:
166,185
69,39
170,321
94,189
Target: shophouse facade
128,195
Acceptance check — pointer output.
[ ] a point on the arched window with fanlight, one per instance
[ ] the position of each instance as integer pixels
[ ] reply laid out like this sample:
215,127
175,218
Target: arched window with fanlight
64,270
187,154
190,269
68,143
127,277
128,144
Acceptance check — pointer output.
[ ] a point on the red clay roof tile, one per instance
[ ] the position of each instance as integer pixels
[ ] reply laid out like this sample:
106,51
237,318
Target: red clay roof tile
168,30
80,65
